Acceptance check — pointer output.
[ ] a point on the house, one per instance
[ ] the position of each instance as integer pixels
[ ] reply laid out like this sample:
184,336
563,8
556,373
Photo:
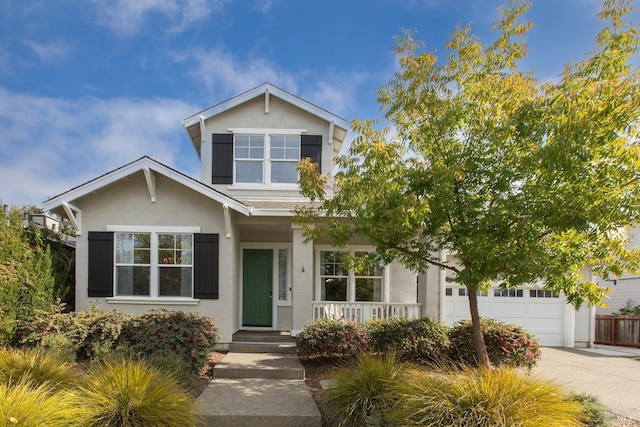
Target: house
225,245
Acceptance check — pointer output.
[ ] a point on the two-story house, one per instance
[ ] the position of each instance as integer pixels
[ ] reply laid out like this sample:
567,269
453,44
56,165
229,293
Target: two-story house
225,245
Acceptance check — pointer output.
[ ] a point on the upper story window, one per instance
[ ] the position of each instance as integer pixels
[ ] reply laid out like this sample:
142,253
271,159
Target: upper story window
262,157
266,159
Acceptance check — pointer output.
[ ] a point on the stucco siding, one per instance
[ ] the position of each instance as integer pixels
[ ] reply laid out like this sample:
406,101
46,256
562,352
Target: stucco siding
127,203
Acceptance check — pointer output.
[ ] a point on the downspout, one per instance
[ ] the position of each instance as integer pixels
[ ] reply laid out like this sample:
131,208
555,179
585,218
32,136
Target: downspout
443,284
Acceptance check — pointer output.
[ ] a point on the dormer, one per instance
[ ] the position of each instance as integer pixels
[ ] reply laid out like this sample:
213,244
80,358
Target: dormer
249,145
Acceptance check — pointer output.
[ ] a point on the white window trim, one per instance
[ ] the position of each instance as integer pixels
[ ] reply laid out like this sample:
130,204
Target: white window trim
154,298
351,280
266,160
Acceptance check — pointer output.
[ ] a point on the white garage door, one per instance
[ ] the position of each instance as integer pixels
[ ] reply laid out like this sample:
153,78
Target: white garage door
536,310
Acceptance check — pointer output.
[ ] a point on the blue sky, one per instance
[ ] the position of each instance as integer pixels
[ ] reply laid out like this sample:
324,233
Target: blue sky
87,86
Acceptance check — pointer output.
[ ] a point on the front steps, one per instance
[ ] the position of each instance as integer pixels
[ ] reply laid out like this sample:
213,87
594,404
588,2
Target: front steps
262,342
252,387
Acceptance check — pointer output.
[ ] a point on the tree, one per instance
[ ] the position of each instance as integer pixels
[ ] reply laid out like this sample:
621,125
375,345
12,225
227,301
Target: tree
26,280
519,180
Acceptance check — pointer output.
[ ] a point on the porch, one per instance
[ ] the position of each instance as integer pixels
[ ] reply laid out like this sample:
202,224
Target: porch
360,312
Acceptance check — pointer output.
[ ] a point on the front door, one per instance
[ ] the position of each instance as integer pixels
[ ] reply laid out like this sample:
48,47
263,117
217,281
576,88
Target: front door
257,285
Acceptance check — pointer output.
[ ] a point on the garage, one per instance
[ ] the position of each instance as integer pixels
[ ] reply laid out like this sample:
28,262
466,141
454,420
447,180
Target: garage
539,311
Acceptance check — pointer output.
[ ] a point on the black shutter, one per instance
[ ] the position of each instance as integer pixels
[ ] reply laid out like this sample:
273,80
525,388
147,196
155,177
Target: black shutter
311,147
205,265
100,264
222,158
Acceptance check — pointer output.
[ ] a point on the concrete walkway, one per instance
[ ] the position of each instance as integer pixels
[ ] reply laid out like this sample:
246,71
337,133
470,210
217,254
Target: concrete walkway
259,390
611,373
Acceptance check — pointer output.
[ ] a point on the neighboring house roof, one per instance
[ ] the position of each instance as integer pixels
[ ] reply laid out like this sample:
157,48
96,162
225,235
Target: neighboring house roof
148,166
192,123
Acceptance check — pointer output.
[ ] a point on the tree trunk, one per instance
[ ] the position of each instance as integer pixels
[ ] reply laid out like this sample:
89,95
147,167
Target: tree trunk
478,337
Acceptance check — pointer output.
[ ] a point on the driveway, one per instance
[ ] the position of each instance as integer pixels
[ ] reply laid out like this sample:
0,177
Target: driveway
611,373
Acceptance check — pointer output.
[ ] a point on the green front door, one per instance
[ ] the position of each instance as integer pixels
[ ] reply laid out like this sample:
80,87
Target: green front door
257,285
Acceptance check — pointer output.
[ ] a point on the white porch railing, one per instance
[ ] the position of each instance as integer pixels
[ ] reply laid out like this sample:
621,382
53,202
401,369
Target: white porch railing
362,311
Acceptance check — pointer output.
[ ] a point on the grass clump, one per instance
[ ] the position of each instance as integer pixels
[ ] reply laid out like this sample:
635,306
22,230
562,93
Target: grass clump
362,391
26,404
480,397
36,366
594,413
133,393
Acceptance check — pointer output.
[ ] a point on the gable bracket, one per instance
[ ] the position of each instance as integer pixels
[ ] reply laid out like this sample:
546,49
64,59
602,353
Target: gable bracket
75,216
266,100
227,220
150,177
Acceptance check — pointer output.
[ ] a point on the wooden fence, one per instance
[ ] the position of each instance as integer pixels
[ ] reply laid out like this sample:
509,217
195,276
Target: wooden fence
618,330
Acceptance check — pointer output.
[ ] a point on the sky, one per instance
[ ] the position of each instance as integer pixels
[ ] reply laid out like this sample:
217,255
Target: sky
87,86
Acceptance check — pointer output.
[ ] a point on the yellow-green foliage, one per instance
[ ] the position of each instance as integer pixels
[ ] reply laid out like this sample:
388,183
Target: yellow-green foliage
35,366
362,391
24,404
132,393
485,397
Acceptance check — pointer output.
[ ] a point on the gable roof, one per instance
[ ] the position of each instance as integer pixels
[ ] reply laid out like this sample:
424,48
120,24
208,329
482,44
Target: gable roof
192,123
144,164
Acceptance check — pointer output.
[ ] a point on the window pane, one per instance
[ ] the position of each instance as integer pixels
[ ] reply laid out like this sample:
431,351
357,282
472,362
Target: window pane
249,172
331,263
249,146
368,270
132,248
175,281
166,241
284,172
368,289
285,147
282,274
132,281
334,289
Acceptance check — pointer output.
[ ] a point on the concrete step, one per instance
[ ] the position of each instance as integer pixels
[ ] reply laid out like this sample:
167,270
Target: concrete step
262,347
252,402
263,337
259,365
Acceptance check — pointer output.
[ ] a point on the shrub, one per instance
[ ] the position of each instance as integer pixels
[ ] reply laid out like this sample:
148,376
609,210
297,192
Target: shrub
329,338
132,393
34,366
362,391
29,405
481,397
417,340
175,365
594,413
88,331
159,332
507,345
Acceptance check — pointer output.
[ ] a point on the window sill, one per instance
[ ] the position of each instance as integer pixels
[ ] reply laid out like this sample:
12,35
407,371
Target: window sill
284,304
291,187
153,301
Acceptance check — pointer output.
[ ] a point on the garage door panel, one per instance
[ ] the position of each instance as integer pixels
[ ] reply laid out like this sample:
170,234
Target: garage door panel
542,317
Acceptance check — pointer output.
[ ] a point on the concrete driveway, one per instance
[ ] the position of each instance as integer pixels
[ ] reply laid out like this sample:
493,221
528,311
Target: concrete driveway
611,373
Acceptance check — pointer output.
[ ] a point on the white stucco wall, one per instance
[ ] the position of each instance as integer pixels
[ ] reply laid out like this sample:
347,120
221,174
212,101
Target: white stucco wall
251,114
127,202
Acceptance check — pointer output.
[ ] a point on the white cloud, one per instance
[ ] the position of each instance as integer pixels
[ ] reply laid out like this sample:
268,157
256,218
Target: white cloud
224,75
127,17
52,52
51,145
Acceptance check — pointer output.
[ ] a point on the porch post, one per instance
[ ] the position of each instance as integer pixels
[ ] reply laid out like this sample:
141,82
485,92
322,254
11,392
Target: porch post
431,284
302,280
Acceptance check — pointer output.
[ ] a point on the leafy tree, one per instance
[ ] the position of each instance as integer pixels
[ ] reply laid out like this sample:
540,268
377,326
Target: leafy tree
26,280
518,180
